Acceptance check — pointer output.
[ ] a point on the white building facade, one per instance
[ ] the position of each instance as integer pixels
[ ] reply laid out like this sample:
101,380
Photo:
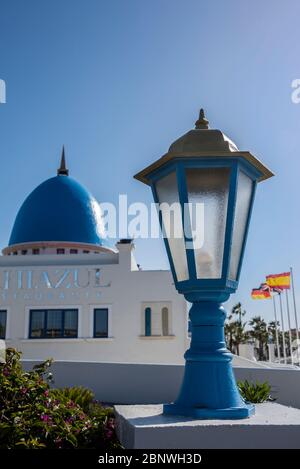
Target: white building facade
65,295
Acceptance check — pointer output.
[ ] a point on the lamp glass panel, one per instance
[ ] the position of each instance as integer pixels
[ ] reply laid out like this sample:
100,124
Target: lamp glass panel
243,201
167,192
208,197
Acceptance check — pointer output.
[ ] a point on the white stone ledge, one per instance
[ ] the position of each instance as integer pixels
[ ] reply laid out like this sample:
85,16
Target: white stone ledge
155,337
71,340
144,426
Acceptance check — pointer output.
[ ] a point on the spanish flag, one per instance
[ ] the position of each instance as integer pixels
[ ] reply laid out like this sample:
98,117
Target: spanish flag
282,281
261,293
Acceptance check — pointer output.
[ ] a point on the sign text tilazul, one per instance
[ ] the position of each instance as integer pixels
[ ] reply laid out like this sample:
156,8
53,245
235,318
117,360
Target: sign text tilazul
24,279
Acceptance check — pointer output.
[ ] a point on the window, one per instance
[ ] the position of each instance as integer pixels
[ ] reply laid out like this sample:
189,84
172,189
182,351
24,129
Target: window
37,324
53,323
147,321
85,251
15,253
165,321
3,315
156,319
101,322
24,252
73,251
35,251
60,251
70,323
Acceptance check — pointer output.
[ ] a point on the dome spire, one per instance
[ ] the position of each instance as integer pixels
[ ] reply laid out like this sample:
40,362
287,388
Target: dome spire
202,122
62,170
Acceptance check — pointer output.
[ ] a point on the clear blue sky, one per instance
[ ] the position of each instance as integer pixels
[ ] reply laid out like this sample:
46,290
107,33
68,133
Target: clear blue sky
117,81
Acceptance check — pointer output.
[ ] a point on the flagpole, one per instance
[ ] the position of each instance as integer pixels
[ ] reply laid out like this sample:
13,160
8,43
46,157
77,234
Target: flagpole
289,323
282,325
296,315
276,330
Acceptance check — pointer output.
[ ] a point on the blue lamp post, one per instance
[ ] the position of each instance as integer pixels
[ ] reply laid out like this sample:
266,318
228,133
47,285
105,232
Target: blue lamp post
204,170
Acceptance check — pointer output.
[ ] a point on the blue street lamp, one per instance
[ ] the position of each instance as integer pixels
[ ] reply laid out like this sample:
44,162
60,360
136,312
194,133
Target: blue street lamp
205,169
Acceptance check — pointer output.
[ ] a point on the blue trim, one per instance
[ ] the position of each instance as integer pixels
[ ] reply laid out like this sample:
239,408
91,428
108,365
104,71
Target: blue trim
229,413
156,199
232,193
162,172
213,162
249,170
148,314
216,162
254,185
96,310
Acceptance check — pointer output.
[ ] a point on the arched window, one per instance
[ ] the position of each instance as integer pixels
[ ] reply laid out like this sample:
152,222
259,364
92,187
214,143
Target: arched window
147,321
165,321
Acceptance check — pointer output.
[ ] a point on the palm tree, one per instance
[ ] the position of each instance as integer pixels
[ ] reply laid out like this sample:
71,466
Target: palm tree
239,336
235,329
237,310
273,326
260,333
274,332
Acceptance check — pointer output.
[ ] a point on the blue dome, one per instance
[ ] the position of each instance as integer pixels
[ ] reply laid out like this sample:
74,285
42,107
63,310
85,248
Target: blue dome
59,209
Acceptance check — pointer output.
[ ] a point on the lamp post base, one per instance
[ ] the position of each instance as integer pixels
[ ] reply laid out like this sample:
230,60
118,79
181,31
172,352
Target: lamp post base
209,389
231,413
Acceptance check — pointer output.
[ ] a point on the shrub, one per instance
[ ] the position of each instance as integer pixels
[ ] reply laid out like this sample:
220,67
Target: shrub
78,394
255,393
32,417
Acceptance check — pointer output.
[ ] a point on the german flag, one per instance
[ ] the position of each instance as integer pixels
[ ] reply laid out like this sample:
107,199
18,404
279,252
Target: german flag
282,281
261,293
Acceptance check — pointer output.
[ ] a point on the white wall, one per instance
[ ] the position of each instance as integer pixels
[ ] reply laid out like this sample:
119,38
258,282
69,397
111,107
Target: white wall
153,383
123,289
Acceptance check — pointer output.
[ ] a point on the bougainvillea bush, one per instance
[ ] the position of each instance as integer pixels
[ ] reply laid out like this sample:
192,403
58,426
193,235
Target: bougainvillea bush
32,415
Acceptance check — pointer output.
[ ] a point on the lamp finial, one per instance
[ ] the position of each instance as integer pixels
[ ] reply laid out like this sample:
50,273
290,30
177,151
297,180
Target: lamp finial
202,122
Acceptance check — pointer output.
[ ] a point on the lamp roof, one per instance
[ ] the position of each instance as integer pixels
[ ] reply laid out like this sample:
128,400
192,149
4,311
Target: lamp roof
206,143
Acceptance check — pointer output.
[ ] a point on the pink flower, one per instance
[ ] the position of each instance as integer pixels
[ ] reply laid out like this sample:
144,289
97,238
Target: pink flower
58,442
46,393
110,423
24,390
5,372
108,433
71,404
46,418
